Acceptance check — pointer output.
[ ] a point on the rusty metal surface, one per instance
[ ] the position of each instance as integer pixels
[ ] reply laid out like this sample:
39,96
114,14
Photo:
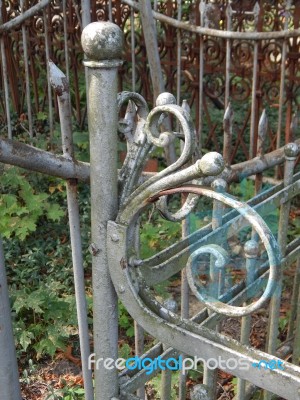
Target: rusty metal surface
227,70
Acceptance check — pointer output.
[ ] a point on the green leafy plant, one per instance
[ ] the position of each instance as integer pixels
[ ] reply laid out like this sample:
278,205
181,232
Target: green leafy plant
65,393
21,206
41,319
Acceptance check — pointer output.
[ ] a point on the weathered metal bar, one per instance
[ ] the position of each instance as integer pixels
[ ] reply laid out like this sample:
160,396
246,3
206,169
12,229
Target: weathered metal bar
228,56
256,165
185,290
8,26
102,43
110,17
139,350
294,301
86,12
132,35
9,375
61,87
216,281
296,343
202,7
34,159
66,47
254,91
27,80
150,38
47,53
166,375
251,253
178,77
5,78
291,153
216,32
282,76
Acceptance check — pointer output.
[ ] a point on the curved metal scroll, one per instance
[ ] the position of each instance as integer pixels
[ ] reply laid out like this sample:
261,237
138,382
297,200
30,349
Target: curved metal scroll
127,272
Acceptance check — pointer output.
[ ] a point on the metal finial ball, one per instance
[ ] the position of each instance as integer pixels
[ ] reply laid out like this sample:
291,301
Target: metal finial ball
251,249
102,41
165,99
212,164
291,150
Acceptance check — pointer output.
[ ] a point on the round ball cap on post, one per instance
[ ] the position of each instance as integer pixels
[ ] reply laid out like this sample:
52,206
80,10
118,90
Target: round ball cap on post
102,41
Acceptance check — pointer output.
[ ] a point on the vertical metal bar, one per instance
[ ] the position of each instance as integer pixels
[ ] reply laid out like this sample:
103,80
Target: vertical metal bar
150,38
66,47
85,12
282,76
47,51
102,43
251,253
291,152
216,281
166,375
201,74
27,80
132,33
5,75
61,87
185,290
178,82
139,339
110,10
228,56
9,376
254,89
294,301
296,343
139,350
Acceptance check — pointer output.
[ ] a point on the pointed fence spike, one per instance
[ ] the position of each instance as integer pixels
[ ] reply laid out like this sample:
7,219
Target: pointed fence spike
185,106
227,126
262,133
229,11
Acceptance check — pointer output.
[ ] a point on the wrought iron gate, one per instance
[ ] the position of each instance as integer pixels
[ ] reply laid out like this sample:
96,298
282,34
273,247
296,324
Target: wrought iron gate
119,198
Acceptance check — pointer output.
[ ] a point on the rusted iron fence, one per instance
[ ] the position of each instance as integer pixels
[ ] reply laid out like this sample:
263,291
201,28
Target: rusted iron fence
205,257
211,53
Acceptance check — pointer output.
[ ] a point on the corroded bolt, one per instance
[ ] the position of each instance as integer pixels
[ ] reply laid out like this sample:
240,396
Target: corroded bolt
102,41
164,99
135,262
291,151
93,249
211,164
121,289
115,238
199,392
251,249
171,305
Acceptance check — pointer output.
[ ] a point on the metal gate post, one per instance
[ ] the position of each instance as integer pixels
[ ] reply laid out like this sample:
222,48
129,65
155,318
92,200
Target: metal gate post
102,43
9,376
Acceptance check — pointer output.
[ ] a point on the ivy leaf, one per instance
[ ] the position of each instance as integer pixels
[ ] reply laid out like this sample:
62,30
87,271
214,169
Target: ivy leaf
54,212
